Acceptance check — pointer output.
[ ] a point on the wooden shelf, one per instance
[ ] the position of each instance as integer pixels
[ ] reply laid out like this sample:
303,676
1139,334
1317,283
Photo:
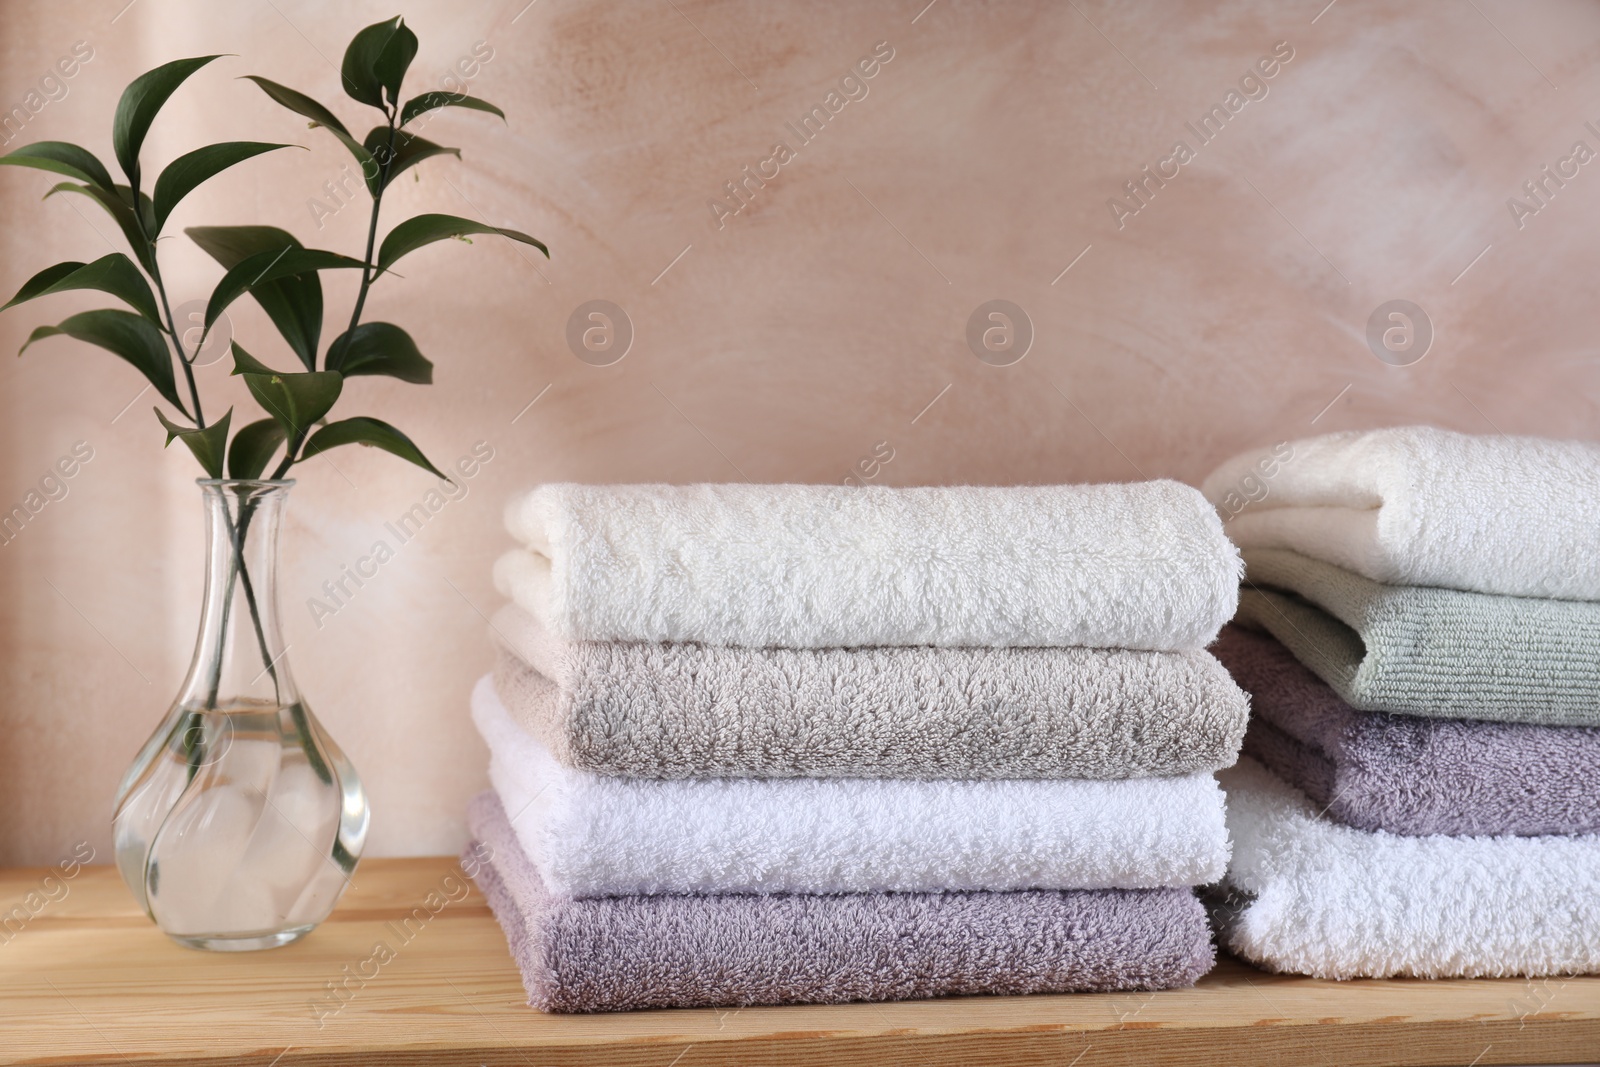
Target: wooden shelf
89,980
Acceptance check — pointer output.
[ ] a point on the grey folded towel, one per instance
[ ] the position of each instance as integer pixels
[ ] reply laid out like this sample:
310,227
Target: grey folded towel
695,711
1410,774
1425,651
637,952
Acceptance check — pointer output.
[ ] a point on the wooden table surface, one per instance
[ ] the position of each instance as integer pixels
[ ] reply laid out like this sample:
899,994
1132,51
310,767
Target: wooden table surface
87,979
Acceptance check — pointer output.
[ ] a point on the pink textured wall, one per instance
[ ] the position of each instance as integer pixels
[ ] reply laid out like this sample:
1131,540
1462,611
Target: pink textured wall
823,324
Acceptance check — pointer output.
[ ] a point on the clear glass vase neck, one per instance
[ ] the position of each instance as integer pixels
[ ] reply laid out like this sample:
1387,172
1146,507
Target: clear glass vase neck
239,651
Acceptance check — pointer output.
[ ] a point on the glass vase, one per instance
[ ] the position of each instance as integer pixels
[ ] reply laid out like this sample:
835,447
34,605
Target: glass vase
240,822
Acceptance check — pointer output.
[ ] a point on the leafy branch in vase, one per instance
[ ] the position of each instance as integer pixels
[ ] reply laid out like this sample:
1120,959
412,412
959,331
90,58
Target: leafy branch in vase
268,263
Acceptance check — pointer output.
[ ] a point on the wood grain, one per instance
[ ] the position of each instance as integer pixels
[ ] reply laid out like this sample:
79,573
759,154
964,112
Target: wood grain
87,979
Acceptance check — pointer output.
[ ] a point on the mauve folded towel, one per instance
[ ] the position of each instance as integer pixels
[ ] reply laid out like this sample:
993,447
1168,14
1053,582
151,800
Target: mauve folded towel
594,836
1418,506
1306,895
1143,565
1407,774
688,710
1424,651
636,952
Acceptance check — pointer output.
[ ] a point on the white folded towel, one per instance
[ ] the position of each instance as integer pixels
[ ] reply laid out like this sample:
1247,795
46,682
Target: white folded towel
1307,895
1420,506
591,836
1143,565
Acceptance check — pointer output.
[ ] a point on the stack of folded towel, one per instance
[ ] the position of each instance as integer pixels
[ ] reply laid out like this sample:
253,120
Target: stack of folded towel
778,744
1421,793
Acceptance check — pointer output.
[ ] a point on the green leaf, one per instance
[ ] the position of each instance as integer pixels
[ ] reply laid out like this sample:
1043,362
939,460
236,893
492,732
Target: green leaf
270,265
297,401
408,152
43,282
253,447
379,348
365,431
61,158
117,206
125,334
186,172
395,60
301,104
245,363
426,102
147,210
140,102
293,303
413,233
377,60
207,445
114,274
229,245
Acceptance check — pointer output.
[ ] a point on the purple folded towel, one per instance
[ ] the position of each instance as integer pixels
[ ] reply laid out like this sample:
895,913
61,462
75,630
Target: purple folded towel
628,953
1408,774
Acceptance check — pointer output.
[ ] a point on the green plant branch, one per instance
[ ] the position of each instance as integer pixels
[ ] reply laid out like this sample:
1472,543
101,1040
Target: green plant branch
235,562
198,418
368,275
240,570
367,272
373,72
289,449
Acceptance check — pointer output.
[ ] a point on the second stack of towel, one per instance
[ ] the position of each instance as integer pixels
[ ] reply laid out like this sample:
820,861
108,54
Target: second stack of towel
1423,792
771,744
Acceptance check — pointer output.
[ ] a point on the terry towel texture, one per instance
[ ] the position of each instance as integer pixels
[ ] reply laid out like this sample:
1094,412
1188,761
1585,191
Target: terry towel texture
1420,506
1407,774
1310,896
631,953
1142,565
592,836
1425,651
689,710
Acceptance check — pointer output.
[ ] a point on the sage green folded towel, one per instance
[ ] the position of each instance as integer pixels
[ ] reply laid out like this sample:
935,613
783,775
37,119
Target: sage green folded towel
1418,650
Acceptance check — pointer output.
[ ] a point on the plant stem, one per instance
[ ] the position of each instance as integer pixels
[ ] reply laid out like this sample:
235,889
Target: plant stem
239,569
172,326
235,560
255,621
288,457
367,273
368,276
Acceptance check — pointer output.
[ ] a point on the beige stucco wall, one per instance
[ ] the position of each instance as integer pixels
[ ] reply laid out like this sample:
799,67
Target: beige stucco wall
820,321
